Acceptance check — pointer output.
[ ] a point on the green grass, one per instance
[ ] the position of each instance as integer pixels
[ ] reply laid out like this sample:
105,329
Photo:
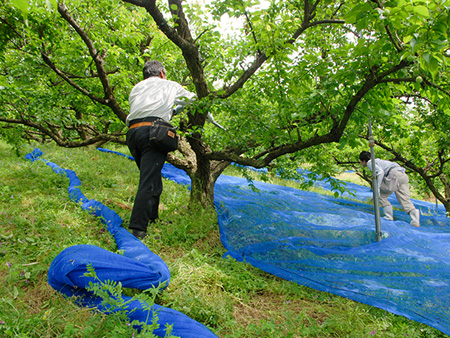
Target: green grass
38,220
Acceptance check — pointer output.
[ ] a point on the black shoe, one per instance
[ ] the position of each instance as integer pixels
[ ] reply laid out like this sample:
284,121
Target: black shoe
160,221
139,233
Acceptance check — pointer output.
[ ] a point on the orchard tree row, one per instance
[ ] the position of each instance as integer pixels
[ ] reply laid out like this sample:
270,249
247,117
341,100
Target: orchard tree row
291,81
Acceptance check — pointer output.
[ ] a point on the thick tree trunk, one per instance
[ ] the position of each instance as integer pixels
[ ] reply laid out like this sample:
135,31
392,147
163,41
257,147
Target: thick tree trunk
203,180
446,200
447,206
202,188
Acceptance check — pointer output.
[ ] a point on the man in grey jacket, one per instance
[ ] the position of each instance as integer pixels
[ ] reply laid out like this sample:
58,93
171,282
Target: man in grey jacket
393,173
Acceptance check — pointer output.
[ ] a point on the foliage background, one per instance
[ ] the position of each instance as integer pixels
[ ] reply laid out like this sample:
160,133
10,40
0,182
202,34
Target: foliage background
291,77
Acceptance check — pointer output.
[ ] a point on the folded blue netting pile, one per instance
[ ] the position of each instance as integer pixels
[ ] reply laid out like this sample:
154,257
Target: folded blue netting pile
137,268
329,244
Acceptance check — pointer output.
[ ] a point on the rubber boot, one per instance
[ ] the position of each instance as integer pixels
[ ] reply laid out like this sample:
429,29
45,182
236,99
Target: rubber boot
415,218
388,213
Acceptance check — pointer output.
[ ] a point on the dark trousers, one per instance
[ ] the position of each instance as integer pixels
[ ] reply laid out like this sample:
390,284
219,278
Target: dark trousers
150,163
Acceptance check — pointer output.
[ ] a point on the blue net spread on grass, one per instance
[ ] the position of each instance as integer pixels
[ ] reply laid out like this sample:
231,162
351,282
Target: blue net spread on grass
137,268
329,244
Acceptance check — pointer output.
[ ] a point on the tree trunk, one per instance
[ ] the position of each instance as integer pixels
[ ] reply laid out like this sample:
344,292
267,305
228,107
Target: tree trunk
203,180
446,200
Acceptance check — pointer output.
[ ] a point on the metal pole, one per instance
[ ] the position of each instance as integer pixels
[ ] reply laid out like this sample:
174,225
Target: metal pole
376,202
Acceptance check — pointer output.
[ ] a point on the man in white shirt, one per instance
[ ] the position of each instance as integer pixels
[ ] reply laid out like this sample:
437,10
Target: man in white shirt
151,100
387,171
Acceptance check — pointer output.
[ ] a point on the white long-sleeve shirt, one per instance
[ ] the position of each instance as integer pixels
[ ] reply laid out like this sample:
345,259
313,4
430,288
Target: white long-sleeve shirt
382,168
156,97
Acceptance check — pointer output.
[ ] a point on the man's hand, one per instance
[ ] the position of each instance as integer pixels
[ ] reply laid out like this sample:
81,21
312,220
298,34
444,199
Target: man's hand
178,109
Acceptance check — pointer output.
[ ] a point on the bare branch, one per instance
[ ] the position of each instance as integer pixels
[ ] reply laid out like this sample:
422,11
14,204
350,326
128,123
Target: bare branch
60,141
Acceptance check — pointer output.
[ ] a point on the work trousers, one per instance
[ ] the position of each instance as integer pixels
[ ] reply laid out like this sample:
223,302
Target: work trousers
150,163
403,195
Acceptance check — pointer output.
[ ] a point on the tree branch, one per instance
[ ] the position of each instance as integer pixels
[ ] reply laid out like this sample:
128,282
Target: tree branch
100,137
334,135
98,58
252,31
394,39
66,78
263,57
409,79
13,29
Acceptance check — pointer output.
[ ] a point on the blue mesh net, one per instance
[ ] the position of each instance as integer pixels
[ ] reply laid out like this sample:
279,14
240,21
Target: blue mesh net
329,244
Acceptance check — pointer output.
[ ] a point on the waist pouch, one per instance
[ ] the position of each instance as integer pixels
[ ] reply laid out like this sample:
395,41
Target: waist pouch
163,137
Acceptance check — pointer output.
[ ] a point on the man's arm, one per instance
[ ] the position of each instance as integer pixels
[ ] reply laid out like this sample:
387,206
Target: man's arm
184,97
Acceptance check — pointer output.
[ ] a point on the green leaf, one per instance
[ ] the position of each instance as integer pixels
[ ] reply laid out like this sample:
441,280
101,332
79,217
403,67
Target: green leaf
3,82
21,5
51,3
173,7
421,10
357,12
433,66
426,57
407,38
